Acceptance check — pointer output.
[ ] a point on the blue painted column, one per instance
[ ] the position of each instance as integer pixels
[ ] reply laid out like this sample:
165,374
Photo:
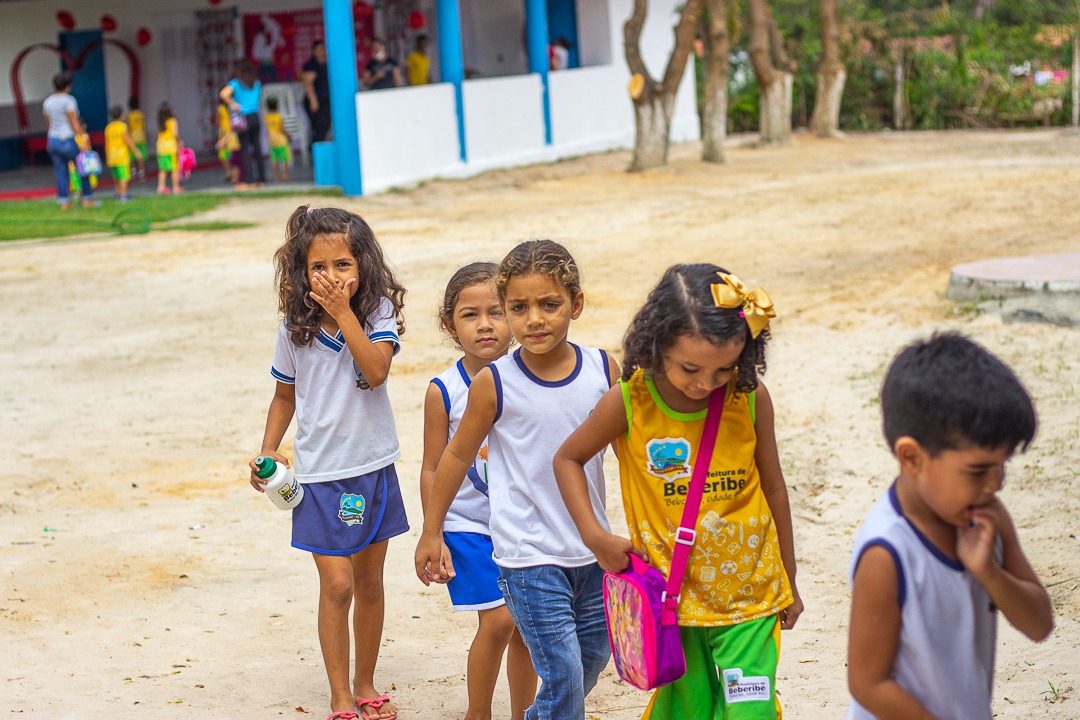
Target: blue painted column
341,67
451,60
536,39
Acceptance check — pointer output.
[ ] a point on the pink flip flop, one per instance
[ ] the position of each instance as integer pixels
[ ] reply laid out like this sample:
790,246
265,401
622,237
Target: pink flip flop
375,703
343,716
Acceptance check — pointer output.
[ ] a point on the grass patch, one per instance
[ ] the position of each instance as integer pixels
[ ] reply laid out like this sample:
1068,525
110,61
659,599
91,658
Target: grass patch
27,219
208,226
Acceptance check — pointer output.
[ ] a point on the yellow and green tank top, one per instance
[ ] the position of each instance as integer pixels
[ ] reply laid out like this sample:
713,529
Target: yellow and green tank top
116,149
166,139
735,573
137,126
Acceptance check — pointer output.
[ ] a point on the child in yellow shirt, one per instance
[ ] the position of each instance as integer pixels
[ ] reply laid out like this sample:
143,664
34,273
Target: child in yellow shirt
119,149
227,144
136,122
168,149
279,141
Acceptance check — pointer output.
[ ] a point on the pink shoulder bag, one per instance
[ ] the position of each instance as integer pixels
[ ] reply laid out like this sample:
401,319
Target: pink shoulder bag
640,604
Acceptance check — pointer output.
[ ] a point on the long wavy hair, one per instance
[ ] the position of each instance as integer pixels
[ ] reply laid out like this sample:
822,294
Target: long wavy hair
682,304
377,281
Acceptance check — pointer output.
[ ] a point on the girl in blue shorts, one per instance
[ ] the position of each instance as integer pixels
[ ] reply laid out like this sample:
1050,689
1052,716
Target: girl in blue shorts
342,320
473,316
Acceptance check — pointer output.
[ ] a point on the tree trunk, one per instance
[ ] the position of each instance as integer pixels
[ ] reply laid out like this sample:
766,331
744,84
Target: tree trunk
717,45
652,132
831,76
775,104
900,106
773,71
654,101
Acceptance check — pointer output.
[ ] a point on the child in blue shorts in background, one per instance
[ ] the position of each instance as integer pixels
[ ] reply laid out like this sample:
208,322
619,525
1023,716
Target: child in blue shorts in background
342,320
473,316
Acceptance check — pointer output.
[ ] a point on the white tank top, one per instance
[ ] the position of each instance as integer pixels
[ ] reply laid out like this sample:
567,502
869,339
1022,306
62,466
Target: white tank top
948,625
470,510
530,524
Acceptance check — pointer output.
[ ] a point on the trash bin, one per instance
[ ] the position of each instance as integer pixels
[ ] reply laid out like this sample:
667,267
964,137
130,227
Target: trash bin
322,159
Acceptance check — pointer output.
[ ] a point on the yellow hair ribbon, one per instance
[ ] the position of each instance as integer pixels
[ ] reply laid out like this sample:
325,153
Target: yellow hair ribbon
757,307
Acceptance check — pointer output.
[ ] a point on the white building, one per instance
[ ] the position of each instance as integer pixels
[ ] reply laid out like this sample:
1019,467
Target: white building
498,108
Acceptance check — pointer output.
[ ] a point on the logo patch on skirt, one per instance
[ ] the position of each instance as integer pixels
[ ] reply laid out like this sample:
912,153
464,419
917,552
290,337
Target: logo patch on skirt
351,510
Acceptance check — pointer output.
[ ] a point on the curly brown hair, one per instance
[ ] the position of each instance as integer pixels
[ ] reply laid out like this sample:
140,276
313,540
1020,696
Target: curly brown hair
308,224
543,257
682,304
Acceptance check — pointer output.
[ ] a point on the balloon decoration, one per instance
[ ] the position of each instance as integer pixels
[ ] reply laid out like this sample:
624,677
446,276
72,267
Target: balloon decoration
417,20
65,19
143,37
108,23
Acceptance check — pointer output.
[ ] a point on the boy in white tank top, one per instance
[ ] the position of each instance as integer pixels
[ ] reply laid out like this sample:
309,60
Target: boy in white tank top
938,555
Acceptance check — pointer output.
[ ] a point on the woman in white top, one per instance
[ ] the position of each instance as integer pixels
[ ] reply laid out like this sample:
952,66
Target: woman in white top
62,124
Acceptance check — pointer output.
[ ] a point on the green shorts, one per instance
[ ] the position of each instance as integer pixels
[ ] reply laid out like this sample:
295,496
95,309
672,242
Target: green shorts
730,674
167,163
142,151
121,172
279,154
224,154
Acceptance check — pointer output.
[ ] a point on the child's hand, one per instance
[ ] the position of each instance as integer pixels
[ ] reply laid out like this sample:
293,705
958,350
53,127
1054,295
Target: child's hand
333,297
790,615
257,482
975,543
431,563
612,552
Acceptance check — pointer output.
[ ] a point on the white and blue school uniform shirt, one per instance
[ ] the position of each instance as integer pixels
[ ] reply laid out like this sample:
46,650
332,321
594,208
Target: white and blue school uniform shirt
530,524
948,624
470,509
342,430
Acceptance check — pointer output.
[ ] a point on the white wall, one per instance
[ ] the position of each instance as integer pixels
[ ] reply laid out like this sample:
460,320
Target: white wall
493,37
504,120
590,109
595,42
406,135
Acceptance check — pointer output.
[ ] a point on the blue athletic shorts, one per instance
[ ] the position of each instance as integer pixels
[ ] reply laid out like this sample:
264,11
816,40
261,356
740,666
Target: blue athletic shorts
476,584
342,517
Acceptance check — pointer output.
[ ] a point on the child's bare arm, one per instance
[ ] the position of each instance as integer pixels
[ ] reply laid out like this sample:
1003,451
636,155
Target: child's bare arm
773,485
282,408
436,432
1012,585
606,422
873,639
131,145
454,464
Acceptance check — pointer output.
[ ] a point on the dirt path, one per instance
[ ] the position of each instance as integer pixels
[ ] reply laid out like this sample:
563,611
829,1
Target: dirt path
141,577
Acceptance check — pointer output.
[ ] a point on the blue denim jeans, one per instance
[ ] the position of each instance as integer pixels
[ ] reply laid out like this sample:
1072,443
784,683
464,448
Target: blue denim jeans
560,615
61,152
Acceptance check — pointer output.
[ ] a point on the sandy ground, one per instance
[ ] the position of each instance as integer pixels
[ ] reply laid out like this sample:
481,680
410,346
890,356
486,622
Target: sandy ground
140,575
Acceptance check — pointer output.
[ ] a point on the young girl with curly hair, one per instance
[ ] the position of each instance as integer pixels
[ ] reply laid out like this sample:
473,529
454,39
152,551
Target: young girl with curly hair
700,331
342,323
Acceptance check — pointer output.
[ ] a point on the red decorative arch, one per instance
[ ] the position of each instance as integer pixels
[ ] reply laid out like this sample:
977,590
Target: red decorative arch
73,64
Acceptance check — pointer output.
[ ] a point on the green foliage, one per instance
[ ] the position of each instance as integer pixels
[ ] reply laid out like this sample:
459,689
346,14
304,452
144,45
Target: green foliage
957,76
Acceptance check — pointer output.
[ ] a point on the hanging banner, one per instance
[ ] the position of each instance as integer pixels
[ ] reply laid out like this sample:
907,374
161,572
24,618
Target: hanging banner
279,43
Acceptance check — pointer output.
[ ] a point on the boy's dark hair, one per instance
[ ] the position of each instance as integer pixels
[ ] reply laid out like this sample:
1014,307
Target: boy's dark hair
271,103
949,392
116,112
682,304
133,103
62,80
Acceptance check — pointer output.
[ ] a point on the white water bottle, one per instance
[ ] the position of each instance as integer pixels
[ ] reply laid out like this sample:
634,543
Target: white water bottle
282,487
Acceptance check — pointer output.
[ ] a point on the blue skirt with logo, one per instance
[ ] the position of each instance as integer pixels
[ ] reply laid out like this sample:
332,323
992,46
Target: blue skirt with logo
342,517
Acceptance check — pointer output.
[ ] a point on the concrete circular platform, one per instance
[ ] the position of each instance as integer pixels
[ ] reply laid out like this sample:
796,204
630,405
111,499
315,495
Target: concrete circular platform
1043,288
1009,277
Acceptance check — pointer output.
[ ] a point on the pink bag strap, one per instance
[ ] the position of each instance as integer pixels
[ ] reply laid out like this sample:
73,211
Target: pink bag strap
685,534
